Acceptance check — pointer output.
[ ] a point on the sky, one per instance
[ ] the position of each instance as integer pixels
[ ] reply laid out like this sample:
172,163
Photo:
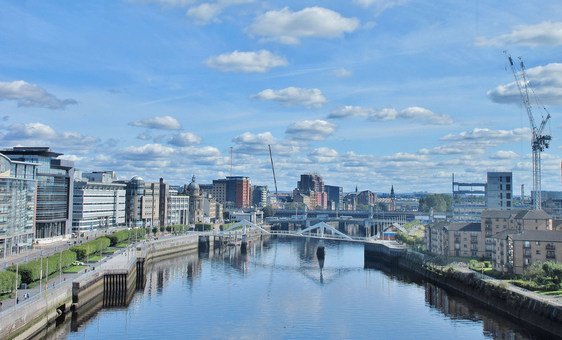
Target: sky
366,93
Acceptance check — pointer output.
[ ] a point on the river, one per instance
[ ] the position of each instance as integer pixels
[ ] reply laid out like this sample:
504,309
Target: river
277,290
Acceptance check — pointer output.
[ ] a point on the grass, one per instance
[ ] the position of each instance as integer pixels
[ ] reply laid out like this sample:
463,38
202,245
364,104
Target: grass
122,245
552,293
93,258
73,269
109,251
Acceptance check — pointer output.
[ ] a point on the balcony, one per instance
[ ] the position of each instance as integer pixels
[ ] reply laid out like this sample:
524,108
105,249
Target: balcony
550,247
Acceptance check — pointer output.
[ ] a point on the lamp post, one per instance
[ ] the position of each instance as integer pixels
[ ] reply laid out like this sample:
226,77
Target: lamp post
41,273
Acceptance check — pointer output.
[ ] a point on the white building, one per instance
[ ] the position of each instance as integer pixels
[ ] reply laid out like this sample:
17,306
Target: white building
98,202
177,208
499,191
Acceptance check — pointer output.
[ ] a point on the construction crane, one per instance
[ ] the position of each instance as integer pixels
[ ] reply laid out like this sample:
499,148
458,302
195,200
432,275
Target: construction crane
273,169
539,141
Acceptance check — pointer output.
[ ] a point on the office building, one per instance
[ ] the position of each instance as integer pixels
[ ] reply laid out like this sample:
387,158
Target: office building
233,192
99,202
335,196
142,201
55,187
17,205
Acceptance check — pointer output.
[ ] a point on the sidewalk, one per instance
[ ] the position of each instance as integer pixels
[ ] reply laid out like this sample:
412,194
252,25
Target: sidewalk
117,259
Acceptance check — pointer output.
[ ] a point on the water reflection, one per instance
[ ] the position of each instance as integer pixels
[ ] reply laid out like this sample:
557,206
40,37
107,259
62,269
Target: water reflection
281,288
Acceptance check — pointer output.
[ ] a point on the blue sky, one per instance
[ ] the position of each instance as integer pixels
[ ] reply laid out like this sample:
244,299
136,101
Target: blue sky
370,93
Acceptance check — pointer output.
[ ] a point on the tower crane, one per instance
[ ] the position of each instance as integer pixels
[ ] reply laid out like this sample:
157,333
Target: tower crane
539,140
273,169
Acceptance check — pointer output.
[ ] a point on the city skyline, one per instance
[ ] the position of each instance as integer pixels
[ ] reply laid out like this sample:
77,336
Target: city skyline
371,93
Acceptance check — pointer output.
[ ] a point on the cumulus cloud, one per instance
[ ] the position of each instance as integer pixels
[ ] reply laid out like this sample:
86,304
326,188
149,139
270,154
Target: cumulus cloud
147,151
294,96
349,111
405,157
158,122
184,139
451,149
546,33
546,82
30,95
310,130
323,155
207,12
257,62
491,136
413,113
39,133
502,154
288,27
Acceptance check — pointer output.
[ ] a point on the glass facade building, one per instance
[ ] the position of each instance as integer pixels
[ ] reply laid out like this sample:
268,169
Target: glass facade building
17,205
54,189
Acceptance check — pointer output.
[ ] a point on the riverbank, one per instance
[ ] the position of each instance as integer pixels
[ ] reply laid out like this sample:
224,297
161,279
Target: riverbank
112,283
535,311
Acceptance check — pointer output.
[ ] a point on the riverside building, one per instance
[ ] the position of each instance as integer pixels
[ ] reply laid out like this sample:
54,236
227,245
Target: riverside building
99,202
55,186
17,205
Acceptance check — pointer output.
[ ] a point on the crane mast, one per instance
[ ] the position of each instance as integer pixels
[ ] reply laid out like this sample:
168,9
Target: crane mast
273,169
539,141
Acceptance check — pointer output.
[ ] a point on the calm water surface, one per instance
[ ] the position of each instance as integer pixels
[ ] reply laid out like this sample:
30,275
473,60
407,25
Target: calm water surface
278,291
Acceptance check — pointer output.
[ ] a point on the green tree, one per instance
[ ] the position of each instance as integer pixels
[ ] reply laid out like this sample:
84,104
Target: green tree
437,202
268,211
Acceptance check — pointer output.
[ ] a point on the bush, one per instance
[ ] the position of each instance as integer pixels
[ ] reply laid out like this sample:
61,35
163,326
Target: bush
95,246
8,281
32,270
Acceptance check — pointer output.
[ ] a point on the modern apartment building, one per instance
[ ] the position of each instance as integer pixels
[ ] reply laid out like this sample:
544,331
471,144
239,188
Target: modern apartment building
455,239
516,251
233,192
18,189
259,196
499,190
99,201
517,221
53,216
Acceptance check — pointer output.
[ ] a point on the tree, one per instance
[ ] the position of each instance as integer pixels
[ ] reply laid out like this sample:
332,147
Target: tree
437,202
268,211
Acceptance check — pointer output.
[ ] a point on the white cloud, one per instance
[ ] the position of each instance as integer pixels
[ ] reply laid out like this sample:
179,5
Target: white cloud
405,157
184,139
288,27
413,113
259,62
502,154
546,33
30,95
158,122
350,111
452,149
41,134
147,152
323,155
490,136
546,82
310,130
207,12
343,73
294,96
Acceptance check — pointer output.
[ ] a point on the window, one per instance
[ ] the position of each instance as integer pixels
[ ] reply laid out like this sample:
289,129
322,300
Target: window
508,187
508,195
527,244
508,203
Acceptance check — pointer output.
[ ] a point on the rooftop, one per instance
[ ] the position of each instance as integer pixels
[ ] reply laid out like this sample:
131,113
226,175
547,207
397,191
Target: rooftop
538,235
31,150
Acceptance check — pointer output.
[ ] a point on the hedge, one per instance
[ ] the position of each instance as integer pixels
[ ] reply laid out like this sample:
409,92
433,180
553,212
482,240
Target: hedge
31,271
8,281
95,246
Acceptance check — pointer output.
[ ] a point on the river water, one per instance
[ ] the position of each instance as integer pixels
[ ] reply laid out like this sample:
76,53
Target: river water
277,290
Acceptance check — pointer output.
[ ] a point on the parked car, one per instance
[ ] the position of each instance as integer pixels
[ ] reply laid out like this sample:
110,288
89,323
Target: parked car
77,263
